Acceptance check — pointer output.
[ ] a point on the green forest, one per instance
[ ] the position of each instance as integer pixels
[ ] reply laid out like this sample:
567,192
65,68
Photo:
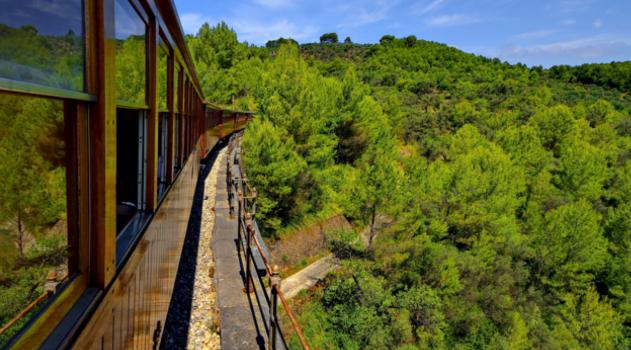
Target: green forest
33,238
498,196
28,56
33,226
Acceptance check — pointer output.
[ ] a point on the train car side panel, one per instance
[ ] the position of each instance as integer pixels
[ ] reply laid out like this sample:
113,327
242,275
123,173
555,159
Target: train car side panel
138,300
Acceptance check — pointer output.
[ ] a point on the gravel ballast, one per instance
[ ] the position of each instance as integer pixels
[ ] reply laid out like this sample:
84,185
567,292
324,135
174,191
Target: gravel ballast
193,320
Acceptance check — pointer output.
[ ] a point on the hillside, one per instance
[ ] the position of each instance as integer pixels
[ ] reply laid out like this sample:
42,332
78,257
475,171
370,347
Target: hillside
508,189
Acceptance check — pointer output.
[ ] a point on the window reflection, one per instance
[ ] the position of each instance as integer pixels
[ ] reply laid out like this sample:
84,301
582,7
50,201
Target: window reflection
176,87
42,42
33,220
130,32
176,140
162,75
163,129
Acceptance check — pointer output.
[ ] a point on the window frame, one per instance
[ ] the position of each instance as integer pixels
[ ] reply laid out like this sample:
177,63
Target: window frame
129,234
76,143
11,85
163,145
142,15
133,228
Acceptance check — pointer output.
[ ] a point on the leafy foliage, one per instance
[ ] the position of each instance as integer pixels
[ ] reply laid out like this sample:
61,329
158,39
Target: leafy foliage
505,189
42,59
329,38
33,201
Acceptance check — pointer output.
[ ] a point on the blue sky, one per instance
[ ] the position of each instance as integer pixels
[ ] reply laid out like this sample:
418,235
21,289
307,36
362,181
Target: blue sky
535,32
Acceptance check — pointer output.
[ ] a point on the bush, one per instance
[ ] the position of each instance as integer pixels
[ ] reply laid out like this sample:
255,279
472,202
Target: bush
345,244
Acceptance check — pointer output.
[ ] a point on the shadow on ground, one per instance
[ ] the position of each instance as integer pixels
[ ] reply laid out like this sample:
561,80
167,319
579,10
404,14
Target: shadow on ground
175,333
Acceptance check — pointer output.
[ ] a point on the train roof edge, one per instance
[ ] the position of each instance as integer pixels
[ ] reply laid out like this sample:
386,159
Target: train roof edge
169,14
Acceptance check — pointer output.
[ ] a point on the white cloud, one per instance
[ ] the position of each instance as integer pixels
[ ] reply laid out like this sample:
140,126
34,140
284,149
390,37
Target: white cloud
452,20
58,8
538,34
259,33
569,21
423,7
575,5
192,21
598,23
274,3
585,48
366,12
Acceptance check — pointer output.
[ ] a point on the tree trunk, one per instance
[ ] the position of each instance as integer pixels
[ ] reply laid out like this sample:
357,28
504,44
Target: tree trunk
20,238
373,233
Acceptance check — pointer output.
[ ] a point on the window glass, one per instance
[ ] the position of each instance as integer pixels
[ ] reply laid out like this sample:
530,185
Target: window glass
176,88
33,217
130,53
162,152
42,42
130,165
187,96
185,138
163,59
176,141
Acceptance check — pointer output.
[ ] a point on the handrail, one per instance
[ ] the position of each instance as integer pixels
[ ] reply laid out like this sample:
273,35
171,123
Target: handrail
32,305
292,317
260,249
246,197
25,311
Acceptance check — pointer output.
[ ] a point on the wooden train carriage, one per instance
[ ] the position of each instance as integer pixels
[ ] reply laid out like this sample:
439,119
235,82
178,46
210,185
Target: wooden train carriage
104,126
220,122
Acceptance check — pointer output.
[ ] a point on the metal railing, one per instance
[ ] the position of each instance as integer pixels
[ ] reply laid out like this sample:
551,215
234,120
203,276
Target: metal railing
50,288
257,263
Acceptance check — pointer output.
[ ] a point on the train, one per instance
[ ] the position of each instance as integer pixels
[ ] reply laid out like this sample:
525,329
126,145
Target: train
105,117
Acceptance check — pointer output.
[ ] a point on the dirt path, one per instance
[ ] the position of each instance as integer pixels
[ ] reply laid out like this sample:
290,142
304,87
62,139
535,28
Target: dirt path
308,276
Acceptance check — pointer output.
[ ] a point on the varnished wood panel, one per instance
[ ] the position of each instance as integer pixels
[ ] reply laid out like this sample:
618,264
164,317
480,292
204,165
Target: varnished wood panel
102,141
152,117
140,294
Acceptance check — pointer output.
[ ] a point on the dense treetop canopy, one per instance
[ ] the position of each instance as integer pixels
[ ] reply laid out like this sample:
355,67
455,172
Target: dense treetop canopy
329,38
506,190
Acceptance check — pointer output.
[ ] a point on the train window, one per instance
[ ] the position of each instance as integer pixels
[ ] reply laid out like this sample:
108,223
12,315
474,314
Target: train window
176,141
176,88
185,126
130,32
185,119
33,211
46,46
162,153
131,155
163,60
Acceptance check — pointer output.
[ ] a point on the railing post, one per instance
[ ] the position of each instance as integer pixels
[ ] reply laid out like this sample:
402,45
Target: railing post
239,222
254,197
248,256
51,283
231,207
229,182
228,175
273,308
